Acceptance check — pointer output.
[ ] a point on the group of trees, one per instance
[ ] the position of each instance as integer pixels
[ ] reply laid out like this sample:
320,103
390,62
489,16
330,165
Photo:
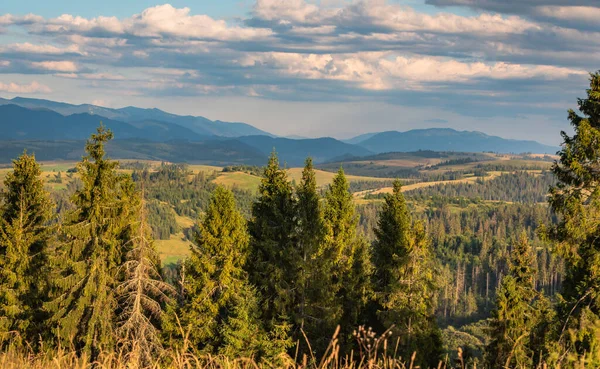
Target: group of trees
297,270
294,272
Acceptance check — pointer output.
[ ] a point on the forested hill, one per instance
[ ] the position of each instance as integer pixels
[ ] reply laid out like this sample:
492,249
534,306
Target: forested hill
51,130
446,139
199,125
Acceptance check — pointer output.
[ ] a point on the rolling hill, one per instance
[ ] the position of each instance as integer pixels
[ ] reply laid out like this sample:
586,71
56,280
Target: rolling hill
294,151
446,139
200,125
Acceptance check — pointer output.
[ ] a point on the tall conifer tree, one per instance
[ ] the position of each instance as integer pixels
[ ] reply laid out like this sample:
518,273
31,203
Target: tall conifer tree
576,198
404,280
348,255
220,310
313,298
273,256
516,313
96,239
25,210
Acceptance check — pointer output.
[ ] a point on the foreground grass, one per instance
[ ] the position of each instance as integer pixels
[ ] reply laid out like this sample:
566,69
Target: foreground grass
172,360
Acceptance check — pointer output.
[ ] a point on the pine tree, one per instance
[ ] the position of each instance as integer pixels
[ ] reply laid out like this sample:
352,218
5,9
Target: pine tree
142,295
404,280
95,240
220,311
348,255
25,210
576,199
272,265
516,314
313,298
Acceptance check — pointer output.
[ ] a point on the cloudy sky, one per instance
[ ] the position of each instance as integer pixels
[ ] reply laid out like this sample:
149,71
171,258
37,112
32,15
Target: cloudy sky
312,68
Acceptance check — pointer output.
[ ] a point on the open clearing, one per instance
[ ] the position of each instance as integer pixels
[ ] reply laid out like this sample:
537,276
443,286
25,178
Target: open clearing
414,186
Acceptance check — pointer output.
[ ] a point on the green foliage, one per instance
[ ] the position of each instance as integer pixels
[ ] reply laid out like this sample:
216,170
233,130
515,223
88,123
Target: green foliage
94,241
273,231
576,198
312,312
348,255
25,211
516,314
220,311
405,281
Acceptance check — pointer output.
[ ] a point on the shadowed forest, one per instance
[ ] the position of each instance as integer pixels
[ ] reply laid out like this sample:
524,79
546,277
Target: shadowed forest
498,271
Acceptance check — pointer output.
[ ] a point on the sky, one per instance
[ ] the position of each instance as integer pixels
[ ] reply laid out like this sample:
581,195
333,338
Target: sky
336,68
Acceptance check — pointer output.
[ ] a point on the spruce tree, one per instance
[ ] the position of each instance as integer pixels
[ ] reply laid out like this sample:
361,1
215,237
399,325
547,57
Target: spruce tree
142,295
313,298
25,210
404,280
576,199
348,255
272,265
95,239
516,314
220,312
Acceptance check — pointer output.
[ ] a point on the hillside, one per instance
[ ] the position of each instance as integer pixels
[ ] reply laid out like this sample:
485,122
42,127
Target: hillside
200,125
446,139
18,123
294,152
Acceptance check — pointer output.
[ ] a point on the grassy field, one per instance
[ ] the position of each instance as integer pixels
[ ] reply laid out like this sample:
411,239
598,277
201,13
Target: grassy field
240,180
414,186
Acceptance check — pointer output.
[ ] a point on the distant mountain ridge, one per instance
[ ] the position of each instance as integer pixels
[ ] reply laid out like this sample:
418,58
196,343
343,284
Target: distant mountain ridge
200,125
447,139
54,129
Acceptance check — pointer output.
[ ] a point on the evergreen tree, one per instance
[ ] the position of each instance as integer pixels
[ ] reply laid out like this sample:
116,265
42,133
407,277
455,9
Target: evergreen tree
95,240
25,210
576,198
274,254
313,297
516,315
142,295
404,280
348,255
220,311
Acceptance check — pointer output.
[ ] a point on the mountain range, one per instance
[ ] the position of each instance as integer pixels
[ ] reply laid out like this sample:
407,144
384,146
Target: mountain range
56,130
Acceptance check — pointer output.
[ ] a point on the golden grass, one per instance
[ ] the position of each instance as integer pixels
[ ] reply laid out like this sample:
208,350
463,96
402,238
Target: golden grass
173,249
240,180
414,186
324,178
370,354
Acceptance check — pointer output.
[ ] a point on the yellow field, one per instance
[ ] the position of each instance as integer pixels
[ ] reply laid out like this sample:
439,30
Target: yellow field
414,186
325,178
173,249
240,180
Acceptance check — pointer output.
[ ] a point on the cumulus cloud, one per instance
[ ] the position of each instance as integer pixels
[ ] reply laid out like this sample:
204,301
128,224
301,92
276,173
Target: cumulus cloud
33,87
159,21
46,49
338,50
56,66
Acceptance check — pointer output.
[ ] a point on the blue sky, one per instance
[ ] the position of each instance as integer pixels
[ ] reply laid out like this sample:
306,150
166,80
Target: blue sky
299,67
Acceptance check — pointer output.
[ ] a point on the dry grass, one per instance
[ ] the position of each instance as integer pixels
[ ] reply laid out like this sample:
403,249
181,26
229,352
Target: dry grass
368,355
173,249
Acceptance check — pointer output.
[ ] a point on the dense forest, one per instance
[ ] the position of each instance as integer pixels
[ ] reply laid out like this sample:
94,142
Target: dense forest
502,273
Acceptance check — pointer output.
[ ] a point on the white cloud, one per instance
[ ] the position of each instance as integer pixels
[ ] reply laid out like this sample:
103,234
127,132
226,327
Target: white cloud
33,87
384,71
286,10
46,49
584,14
56,66
159,21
